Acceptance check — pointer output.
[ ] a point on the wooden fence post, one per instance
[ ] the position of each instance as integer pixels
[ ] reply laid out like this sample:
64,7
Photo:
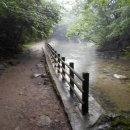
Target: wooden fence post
72,76
52,50
85,94
63,68
58,63
55,58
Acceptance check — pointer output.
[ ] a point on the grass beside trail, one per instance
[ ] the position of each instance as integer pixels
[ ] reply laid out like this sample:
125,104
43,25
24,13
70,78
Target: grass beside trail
29,45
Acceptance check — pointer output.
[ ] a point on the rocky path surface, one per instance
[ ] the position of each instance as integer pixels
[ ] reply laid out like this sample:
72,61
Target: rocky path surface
27,100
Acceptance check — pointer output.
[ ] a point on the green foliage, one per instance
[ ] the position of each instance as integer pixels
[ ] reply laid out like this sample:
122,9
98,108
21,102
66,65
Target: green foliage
106,22
114,122
26,20
122,122
28,45
127,51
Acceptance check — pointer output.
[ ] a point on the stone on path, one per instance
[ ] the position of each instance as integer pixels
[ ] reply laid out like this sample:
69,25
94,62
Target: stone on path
39,83
46,82
39,65
35,75
44,76
118,76
44,120
17,128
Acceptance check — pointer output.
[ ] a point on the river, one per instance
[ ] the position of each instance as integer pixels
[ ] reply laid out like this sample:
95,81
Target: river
111,93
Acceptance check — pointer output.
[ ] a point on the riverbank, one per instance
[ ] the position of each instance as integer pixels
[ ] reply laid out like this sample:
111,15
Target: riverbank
111,93
27,97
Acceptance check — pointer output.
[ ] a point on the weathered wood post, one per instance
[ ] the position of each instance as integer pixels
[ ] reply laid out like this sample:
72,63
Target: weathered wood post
55,59
71,64
63,67
85,94
52,50
58,63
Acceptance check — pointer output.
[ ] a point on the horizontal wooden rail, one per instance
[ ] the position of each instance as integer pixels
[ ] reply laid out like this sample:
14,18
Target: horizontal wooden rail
79,98
78,86
68,65
61,65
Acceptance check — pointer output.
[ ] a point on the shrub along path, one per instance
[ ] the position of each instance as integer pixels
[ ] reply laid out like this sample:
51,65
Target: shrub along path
28,102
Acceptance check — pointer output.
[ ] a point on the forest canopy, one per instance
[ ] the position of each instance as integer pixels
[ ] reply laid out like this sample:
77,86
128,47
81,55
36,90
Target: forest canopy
105,22
23,21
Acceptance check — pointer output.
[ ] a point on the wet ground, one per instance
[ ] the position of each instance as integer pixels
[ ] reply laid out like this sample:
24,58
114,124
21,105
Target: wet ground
28,102
113,94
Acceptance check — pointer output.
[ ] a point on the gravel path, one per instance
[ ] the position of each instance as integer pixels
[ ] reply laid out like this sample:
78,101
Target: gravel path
26,102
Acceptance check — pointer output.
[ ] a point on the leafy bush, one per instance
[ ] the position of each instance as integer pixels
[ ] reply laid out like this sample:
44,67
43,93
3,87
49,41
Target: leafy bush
105,22
24,21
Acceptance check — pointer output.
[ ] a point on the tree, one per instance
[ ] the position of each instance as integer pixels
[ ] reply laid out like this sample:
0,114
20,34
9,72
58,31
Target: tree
26,20
105,22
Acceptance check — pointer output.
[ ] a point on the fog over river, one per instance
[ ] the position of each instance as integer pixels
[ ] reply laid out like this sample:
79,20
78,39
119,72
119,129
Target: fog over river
111,93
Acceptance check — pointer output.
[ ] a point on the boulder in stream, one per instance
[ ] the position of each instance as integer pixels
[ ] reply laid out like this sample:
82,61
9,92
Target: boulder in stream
119,76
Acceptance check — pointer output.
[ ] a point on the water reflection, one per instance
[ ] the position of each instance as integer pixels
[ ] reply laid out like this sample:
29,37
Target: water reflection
83,56
110,92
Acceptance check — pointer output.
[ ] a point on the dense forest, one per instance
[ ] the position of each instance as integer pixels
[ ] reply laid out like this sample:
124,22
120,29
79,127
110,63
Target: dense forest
23,21
104,22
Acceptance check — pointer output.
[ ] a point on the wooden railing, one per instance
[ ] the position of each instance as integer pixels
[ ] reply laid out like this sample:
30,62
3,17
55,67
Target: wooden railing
61,66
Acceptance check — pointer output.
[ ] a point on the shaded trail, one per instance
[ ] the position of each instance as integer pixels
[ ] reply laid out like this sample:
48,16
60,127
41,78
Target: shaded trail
29,103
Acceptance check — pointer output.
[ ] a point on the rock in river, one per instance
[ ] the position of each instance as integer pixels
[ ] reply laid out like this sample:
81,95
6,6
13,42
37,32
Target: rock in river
118,76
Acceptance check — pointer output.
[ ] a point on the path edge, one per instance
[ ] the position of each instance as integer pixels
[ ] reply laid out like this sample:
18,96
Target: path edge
76,119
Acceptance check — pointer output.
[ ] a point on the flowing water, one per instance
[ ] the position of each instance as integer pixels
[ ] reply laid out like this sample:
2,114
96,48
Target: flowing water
111,93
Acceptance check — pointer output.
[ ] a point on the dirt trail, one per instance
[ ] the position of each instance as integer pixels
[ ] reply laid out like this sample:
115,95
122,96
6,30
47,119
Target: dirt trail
29,103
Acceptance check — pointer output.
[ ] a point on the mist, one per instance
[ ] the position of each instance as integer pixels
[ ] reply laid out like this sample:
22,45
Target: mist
68,18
